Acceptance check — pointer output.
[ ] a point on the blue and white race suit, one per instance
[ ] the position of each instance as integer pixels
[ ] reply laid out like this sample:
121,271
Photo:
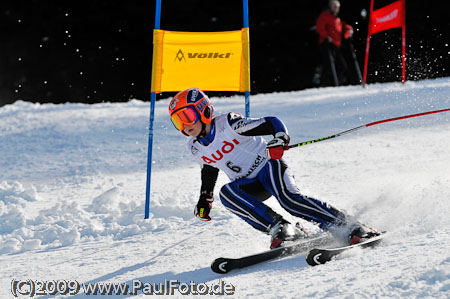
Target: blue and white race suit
235,146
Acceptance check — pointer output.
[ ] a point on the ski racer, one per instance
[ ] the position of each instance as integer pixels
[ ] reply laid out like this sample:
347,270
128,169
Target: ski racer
234,144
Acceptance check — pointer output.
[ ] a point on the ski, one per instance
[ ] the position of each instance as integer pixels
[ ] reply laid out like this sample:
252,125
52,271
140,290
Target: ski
225,265
318,256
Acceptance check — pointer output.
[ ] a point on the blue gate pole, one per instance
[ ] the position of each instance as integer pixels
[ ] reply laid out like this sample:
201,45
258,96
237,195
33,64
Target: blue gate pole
247,93
152,119
247,104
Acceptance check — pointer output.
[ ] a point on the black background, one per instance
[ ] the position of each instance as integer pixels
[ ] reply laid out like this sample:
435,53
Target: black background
100,50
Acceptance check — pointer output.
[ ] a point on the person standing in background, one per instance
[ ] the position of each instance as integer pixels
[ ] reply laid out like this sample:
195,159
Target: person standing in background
331,30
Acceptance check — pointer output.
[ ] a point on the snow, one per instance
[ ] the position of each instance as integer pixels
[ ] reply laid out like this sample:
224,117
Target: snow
72,192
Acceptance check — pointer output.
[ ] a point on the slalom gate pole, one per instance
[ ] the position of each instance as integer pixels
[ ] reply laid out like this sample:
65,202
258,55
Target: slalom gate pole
246,24
365,126
366,58
151,125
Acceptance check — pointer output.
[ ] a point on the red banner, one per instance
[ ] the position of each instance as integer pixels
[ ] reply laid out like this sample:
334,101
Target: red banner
390,16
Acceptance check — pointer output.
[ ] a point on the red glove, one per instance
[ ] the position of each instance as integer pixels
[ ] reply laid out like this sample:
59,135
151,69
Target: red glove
204,206
278,145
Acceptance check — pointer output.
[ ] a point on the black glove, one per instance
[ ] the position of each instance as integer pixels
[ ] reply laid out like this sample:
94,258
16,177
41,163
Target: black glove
278,145
204,206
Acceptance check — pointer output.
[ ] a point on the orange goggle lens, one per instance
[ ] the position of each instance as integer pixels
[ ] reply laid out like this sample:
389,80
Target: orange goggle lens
185,116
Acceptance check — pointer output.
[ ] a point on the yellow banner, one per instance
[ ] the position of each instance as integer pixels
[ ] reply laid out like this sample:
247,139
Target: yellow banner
215,61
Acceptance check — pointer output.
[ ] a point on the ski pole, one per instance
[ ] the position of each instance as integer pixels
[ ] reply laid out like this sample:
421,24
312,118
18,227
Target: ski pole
365,126
333,68
355,60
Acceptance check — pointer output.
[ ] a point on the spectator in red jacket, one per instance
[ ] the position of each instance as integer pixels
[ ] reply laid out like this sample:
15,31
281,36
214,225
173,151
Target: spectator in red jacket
331,30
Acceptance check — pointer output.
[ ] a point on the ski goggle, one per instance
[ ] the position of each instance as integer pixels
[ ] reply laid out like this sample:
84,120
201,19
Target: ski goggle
184,116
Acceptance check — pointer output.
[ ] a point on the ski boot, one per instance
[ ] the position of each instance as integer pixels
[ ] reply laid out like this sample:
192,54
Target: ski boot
283,231
360,233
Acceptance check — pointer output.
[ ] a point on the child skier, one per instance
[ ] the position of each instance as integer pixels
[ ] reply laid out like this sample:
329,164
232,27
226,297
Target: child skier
233,143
